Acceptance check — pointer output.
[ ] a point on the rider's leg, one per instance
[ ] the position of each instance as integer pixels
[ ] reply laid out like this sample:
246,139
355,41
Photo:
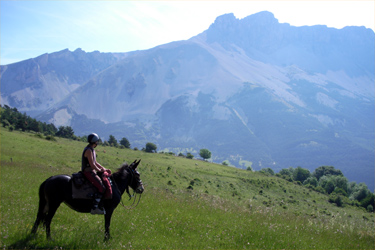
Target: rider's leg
97,182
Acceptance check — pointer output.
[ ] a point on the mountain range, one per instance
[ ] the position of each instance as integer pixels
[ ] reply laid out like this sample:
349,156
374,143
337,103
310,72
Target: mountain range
253,91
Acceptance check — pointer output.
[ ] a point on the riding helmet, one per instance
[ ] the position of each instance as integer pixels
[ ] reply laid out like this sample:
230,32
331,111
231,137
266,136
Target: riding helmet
92,138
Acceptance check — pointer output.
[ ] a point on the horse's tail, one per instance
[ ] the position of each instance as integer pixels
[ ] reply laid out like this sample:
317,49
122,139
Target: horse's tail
43,208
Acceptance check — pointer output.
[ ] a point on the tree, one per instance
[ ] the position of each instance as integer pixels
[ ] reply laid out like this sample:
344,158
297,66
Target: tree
249,168
112,141
267,171
311,181
359,192
189,156
65,132
340,182
329,187
205,153
287,172
301,174
150,147
326,170
125,142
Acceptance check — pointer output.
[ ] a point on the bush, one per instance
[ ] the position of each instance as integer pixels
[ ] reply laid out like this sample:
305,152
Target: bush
39,135
370,208
150,147
301,174
340,191
311,181
320,190
337,199
5,123
50,138
267,171
189,156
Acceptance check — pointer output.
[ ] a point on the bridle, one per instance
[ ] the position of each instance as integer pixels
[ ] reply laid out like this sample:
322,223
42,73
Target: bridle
139,188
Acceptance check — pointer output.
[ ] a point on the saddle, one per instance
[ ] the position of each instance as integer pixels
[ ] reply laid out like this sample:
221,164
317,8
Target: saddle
82,188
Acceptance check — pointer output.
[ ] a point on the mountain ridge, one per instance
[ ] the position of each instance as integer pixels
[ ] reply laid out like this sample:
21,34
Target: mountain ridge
250,90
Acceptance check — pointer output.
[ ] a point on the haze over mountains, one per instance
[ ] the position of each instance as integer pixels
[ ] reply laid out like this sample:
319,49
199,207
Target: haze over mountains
249,90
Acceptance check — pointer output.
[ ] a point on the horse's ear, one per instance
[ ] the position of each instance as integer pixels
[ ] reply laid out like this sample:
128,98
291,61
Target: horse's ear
136,164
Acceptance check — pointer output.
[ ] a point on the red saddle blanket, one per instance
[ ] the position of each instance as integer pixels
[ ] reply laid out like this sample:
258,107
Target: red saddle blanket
83,189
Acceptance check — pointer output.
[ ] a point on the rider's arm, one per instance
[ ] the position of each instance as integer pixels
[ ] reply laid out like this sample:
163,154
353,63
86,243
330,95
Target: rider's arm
94,165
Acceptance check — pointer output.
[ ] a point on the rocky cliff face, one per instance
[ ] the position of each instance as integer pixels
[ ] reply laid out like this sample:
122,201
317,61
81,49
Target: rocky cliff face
249,90
37,84
314,49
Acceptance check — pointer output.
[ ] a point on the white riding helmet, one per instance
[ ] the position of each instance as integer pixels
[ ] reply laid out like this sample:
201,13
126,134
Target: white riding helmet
92,138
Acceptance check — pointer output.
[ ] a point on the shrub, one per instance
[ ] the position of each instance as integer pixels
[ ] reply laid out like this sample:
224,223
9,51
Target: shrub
50,138
189,156
340,191
267,171
320,190
5,123
337,199
39,135
150,147
301,174
370,208
311,181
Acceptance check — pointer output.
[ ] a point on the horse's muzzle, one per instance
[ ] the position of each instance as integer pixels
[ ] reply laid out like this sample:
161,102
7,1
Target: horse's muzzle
140,189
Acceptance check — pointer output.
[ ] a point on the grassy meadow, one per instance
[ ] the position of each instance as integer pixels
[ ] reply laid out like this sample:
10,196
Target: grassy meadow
187,204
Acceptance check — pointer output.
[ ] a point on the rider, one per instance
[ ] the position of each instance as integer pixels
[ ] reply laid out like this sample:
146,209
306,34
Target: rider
90,168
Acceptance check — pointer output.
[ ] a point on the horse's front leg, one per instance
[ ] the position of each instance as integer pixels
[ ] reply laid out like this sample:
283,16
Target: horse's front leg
108,216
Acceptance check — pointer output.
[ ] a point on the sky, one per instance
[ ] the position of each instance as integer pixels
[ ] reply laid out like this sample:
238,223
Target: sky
32,28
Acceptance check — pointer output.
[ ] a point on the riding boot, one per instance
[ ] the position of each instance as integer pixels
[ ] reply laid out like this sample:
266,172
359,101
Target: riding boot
95,208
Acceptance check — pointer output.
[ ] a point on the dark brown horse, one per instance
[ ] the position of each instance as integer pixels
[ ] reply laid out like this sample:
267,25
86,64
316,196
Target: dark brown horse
58,189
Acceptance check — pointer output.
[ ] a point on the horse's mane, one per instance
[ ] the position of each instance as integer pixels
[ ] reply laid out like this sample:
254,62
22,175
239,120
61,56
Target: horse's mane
122,170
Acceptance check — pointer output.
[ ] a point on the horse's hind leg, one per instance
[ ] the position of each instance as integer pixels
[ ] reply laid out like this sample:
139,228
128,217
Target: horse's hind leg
47,222
42,210
36,224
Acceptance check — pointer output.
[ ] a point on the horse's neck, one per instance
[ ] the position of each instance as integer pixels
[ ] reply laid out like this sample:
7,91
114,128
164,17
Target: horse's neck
120,183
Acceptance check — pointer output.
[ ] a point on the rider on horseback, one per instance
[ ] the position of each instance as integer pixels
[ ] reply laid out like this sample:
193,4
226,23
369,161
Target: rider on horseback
90,168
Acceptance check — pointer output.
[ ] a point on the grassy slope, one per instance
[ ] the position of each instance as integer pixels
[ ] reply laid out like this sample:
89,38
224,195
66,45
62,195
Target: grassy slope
226,207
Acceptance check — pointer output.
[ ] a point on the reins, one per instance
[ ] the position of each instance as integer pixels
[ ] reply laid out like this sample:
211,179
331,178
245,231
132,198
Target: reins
132,206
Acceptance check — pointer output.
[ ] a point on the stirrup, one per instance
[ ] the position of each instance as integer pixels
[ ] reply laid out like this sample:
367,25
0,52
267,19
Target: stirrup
97,211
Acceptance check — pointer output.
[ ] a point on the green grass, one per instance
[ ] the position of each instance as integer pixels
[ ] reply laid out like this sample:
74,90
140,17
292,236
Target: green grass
188,204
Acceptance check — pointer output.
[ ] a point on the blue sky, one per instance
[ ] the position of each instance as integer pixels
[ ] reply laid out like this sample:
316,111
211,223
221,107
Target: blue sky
31,28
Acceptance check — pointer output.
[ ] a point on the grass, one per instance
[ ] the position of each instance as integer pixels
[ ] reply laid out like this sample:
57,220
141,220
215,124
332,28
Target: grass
188,204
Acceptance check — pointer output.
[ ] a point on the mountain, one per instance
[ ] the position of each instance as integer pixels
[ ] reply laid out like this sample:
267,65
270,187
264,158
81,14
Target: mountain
36,84
253,91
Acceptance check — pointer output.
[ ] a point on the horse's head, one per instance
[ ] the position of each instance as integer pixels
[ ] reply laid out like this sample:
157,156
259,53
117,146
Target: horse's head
136,182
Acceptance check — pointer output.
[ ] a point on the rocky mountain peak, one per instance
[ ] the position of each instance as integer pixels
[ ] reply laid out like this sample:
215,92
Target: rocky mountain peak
250,89
314,48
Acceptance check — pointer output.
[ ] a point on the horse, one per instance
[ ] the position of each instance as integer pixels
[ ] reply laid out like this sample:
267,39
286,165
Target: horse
58,189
